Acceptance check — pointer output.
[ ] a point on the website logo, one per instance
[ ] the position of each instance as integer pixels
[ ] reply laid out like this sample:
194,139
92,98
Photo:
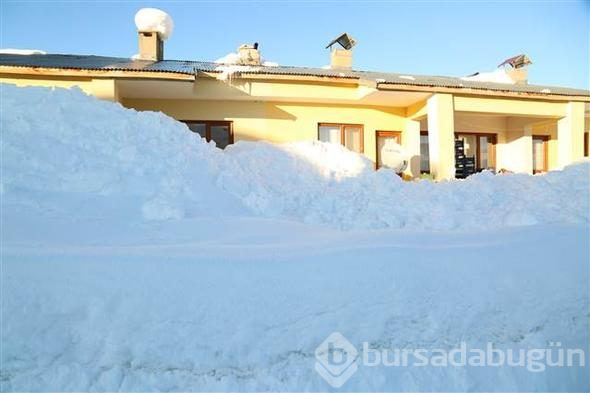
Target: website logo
336,360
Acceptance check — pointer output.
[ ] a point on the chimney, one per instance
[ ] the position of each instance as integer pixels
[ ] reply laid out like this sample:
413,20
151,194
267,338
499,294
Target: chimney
151,46
517,68
249,54
154,26
341,59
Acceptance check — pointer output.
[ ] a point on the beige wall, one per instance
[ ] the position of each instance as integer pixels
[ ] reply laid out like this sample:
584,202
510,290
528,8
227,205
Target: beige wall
279,122
282,111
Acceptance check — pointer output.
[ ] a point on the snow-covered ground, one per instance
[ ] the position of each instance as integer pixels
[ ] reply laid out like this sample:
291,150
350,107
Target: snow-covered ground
136,257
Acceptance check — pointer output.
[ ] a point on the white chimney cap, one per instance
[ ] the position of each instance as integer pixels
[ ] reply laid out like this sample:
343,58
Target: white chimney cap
154,20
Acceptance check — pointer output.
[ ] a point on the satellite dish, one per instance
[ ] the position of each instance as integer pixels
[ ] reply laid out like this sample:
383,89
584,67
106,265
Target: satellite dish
346,41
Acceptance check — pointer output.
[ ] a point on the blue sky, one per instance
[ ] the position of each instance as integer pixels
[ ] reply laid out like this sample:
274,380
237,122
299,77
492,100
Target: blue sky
422,37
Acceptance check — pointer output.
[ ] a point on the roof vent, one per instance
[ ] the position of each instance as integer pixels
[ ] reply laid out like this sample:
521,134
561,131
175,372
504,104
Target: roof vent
341,58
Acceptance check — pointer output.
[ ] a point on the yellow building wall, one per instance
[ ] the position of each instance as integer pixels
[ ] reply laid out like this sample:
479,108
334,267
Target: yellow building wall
278,121
102,88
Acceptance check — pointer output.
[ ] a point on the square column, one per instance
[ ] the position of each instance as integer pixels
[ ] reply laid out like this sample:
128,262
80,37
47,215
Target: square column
515,150
570,135
411,144
441,136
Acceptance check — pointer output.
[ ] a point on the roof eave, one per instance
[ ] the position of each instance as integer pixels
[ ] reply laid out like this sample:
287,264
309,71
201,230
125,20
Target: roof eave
96,73
481,92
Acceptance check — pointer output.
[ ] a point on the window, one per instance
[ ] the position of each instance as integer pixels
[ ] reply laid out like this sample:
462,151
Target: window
480,146
221,132
384,140
540,153
586,144
349,135
424,153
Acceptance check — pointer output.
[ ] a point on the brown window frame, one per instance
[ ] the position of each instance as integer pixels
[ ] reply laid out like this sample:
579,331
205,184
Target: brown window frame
586,144
491,151
545,139
212,123
385,133
342,132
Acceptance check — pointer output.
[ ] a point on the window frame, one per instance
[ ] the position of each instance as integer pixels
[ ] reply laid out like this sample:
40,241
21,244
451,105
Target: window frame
491,151
586,144
213,123
545,139
384,133
343,133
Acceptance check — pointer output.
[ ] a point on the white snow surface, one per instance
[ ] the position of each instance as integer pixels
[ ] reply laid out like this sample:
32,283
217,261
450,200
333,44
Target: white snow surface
233,58
137,257
11,51
167,172
153,19
499,75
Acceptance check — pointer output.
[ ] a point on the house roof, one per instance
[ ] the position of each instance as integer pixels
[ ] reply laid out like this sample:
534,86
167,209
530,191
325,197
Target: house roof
102,63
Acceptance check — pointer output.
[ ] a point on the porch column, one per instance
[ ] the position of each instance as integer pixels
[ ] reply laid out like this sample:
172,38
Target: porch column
515,151
411,142
441,136
570,135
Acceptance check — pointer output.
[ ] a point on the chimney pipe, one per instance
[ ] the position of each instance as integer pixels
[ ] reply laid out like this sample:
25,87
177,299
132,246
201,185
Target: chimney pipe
154,26
341,59
151,46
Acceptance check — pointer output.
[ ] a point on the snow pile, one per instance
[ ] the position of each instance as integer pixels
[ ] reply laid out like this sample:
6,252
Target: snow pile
498,76
323,183
230,58
233,59
10,51
153,19
229,71
67,153
62,149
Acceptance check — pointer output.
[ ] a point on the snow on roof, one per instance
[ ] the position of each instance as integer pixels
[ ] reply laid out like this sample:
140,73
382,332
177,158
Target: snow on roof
153,19
230,58
497,76
11,51
233,58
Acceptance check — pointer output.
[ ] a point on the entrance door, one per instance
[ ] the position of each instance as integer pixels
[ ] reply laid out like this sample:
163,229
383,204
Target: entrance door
540,153
480,146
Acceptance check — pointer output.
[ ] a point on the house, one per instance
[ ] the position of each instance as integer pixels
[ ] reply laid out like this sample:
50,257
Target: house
512,126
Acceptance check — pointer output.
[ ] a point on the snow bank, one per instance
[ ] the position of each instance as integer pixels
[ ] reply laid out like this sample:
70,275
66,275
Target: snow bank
153,19
323,183
63,150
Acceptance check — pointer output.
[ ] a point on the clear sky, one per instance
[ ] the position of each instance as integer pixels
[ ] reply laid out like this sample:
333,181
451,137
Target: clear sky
422,37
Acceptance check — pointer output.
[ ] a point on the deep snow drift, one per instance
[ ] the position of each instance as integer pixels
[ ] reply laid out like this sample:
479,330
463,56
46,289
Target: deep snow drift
76,147
137,257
